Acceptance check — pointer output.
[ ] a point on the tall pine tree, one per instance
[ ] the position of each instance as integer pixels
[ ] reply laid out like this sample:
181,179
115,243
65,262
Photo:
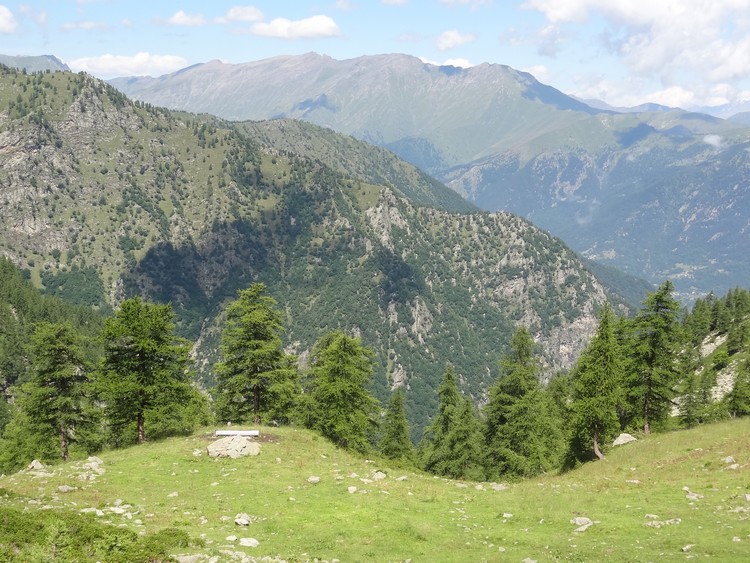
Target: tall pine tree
396,443
340,407
54,397
257,380
655,347
145,367
597,384
521,436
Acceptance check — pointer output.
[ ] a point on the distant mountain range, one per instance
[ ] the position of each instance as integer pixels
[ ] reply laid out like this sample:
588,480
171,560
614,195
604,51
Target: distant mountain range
659,192
33,63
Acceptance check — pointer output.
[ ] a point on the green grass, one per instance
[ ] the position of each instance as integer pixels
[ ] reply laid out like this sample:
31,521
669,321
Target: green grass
422,518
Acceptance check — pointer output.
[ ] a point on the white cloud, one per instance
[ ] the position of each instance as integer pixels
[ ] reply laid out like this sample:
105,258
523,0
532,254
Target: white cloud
140,64
450,39
183,19
540,72
8,23
460,63
313,27
241,14
85,25
714,140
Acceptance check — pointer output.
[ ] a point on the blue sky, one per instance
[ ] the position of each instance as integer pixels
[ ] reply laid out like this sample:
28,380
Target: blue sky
683,53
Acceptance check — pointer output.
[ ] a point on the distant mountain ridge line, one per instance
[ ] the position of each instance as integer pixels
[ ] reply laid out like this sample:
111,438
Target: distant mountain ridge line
506,141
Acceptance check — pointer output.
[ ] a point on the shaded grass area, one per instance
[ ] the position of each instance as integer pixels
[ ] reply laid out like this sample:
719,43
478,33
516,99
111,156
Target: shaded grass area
638,499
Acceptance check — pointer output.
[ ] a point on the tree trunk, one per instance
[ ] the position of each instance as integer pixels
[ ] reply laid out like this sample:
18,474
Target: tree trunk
646,421
597,451
141,428
256,403
63,443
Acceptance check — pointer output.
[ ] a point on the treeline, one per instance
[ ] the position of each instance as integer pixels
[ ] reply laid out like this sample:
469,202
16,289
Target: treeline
77,386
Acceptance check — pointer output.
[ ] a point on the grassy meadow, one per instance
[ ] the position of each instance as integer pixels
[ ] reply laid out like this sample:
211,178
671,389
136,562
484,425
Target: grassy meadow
668,497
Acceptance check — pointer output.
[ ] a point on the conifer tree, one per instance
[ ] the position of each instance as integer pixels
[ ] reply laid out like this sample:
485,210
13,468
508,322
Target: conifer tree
342,409
257,380
655,347
396,443
521,435
738,400
597,384
54,397
145,365
435,441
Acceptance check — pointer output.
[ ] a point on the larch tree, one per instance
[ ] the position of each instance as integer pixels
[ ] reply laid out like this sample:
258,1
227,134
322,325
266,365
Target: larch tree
257,380
655,347
597,384
145,365
55,395
396,442
522,437
342,409
434,444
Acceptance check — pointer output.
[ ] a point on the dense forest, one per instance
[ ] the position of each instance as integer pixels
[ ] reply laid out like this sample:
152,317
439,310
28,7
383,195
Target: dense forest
76,380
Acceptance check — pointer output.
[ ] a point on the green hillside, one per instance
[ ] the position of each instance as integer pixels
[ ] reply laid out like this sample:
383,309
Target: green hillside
105,198
666,497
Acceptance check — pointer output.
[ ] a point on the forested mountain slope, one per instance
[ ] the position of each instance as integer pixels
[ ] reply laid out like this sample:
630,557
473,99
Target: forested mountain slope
660,194
104,198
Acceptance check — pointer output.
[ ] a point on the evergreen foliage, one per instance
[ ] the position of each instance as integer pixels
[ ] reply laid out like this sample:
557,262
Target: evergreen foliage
657,336
54,397
521,435
597,385
340,406
396,441
257,380
145,369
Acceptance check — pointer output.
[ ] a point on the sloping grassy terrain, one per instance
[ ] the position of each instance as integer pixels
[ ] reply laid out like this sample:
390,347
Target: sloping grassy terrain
668,497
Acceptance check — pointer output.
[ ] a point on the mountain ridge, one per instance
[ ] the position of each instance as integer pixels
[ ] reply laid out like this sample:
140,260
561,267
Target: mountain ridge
506,141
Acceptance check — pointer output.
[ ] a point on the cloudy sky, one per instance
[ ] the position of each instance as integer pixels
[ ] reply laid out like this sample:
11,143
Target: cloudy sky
683,53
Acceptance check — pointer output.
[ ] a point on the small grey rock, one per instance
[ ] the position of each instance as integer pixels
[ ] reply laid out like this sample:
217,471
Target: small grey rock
249,542
313,479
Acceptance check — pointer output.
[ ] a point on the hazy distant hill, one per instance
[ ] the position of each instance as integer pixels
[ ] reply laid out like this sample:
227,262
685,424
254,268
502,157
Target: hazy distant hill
103,198
33,63
661,194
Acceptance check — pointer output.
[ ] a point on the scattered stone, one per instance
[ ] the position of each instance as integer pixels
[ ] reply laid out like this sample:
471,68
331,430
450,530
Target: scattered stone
66,488
633,481
733,466
197,452
242,519
117,510
353,476
366,481
651,516
379,476
507,515
203,520
479,487
729,459
529,560
173,494
623,438
231,538
498,487
747,497
693,496
249,542
233,447
402,478
688,547
352,490
313,479
189,558
461,485
582,522
36,465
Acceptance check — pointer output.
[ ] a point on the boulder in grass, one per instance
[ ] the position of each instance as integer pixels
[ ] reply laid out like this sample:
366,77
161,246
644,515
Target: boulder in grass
623,438
233,447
